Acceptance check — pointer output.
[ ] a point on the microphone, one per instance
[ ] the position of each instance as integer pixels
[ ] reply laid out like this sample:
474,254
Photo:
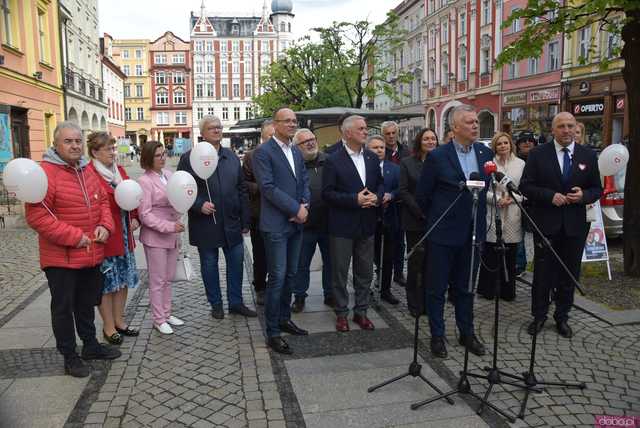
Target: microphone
459,185
490,168
507,182
475,182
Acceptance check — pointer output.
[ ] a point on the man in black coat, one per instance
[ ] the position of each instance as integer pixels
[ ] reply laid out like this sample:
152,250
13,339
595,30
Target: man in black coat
559,179
230,204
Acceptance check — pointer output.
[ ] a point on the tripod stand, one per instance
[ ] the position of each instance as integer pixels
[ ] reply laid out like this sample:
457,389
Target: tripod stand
415,368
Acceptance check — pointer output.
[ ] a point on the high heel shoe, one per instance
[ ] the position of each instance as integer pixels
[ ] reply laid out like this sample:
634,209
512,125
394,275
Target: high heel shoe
114,339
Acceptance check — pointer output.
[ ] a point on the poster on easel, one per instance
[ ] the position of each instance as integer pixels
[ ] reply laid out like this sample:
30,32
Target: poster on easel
595,247
6,149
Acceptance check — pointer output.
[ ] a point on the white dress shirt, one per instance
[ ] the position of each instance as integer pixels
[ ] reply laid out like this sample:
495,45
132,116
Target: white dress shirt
358,162
560,153
286,149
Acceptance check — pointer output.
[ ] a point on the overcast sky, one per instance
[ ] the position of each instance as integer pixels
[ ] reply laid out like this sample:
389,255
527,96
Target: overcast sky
149,19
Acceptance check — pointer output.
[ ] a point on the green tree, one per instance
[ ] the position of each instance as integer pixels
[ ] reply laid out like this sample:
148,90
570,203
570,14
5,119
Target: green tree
544,19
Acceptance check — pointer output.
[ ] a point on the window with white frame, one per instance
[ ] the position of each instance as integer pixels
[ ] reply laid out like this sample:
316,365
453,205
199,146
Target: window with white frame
584,40
248,112
138,53
127,113
247,46
432,7
224,66
553,62
126,70
139,70
463,63
140,113
225,113
178,77
432,76
236,113
179,97
247,90
485,63
444,79
162,118
198,66
512,71
533,65
125,54
210,66
613,45
178,58
210,90
224,90
223,46
265,46
210,111
199,45
161,78
160,58
463,24
199,113
162,97
199,90
43,35
445,32
515,25
127,91
486,12
209,46
235,46
248,65
139,90
181,118
235,67
236,89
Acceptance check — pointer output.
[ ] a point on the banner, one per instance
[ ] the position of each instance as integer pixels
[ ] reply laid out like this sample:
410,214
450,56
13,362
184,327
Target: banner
595,247
6,149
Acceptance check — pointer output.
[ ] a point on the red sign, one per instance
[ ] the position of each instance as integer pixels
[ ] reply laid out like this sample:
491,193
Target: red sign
620,103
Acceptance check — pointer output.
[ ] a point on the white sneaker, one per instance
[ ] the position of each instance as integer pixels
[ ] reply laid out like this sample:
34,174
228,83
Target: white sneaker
175,321
164,328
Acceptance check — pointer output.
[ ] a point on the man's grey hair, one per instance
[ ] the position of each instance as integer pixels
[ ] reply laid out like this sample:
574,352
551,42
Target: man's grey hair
268,122
67,124
375,137
296,136
209,118
457,110
348,122
388,124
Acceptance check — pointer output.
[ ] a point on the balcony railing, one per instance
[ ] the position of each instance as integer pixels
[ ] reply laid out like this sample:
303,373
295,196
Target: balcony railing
76,82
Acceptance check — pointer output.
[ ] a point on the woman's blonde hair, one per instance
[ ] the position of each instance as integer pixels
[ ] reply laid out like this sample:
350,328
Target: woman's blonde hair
583,136
497,136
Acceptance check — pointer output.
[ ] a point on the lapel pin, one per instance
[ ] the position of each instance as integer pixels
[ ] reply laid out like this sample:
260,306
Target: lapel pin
582,166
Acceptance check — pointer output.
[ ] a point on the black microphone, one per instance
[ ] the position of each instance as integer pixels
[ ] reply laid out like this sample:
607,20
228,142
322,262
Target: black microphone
453,184
507,182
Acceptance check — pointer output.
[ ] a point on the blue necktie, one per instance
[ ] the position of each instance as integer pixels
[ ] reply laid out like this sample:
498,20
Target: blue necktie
566,166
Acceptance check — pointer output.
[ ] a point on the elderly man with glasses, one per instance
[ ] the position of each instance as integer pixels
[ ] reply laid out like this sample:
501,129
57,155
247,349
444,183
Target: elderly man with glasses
315,229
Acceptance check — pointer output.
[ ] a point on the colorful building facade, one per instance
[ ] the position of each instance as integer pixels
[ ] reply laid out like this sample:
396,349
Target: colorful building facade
31,97
132,56
113,81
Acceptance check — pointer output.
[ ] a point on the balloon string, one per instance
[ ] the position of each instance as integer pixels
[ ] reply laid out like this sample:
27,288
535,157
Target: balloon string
52,214
206,182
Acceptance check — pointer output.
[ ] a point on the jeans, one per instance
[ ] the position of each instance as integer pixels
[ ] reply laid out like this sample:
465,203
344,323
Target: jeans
311,238
234,256
74,293
521,257
283,253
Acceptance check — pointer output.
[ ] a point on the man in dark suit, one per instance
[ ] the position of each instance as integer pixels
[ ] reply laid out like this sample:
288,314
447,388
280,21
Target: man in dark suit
284,197
388,228
352,188
395,152
449,245
559,179
230,204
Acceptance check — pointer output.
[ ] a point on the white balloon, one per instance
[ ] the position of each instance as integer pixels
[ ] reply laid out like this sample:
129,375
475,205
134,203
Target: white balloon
203,159
26,180
128,195
182,191
613,159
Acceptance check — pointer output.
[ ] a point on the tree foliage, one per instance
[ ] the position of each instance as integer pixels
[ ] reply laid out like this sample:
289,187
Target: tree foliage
347,64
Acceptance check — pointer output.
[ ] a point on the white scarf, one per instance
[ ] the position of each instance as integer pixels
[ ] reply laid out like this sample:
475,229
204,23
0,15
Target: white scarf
111,175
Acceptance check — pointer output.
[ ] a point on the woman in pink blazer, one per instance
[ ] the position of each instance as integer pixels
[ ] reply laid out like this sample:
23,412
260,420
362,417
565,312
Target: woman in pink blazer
159,234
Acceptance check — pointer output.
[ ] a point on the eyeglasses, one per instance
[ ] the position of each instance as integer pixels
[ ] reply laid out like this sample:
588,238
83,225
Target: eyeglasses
160,155
216,128
109,149
287,121
308,142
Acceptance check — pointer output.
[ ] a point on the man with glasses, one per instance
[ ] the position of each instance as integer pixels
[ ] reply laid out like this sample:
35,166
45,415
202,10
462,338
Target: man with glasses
284,198
230,204
315,229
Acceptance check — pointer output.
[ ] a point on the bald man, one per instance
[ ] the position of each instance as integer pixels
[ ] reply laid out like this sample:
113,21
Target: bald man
559,179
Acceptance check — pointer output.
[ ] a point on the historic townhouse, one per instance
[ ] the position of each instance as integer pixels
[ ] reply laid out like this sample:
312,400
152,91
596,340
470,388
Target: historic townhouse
113,81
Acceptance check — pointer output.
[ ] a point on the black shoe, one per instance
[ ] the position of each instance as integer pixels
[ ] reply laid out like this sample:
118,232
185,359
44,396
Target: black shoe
438,348
291,328
279,345
298,305
472,344
242,310
563,329
100,352
536,326
330,301
217,312
260,298
389,298
400,281
114,339
131,332
74,366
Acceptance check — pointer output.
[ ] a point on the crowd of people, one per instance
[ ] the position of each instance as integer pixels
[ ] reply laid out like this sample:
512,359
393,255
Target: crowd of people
365,202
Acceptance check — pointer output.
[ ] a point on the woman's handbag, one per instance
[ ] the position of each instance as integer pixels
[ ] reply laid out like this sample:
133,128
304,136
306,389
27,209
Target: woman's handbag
184,268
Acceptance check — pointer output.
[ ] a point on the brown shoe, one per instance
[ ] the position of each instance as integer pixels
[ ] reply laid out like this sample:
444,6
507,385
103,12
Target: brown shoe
363,322
342,324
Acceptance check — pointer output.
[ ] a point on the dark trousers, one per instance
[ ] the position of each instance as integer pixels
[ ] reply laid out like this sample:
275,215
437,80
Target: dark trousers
492,269
416,274
549,275
449,265
310,239
74,293
259,258
283,257
342,250
385,244
521,257
398,253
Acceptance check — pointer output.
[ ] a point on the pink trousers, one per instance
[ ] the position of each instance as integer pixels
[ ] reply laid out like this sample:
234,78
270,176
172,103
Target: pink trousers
161,265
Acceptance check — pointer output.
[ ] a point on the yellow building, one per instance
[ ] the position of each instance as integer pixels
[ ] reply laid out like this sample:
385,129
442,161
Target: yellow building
31,97
596,97
132,56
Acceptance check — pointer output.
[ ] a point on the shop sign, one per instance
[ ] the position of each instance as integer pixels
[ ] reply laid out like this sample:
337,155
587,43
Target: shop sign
552,94
620,103
588,108
513,99
584,88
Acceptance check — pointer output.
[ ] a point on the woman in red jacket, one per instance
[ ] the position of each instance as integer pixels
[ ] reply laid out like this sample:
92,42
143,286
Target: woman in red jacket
119,265
72,229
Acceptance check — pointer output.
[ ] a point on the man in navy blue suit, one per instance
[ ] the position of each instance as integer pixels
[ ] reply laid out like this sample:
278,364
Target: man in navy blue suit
388,228
284,197
449,245
352,187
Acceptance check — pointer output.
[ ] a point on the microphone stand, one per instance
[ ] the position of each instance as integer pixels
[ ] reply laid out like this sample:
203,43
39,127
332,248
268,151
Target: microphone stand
463,386
415,368
529,377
